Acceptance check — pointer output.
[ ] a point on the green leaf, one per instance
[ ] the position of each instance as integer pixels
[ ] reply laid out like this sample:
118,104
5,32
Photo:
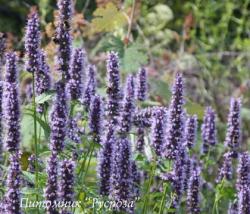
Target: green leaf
195,108
133,58
107,19
45,97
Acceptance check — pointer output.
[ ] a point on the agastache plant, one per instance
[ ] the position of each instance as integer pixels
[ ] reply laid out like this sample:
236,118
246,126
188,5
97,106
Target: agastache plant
141,85
233,136
11,107
51,190
158,135
128,108
75,83
42,79
113,87
90,88
95,119
32,42
59,117
190,131
193,198
63,37
175,126
13,195
2,48
226,170
208,128
121,179
66,185
104,160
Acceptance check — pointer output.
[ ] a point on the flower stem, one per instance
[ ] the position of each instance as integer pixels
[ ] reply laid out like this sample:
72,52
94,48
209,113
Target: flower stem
163,199
35,137
152,172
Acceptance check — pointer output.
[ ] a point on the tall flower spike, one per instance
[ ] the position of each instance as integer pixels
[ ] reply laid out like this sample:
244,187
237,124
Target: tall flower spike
104,161
193,200
244,200
243,171
175,126
90,88
13,185
63,37
141,85
95,119
51,186
158,130
128,107
75,84
190,131
113,87
208,129
42,78
233,135
121,171
140,139
226,171
32,42
74,131
66,185
59,116
11,106
136,180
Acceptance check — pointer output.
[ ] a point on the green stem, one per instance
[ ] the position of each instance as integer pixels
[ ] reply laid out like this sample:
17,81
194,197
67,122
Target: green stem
163,199
152,172
35,136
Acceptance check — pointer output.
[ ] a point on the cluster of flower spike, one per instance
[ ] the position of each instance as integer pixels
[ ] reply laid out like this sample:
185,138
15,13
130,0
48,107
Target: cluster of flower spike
173,134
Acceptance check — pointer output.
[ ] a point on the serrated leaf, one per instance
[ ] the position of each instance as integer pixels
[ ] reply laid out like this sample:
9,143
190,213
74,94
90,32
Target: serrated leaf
133,58
108,19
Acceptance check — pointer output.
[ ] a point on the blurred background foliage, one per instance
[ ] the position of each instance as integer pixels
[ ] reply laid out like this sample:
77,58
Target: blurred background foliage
208,41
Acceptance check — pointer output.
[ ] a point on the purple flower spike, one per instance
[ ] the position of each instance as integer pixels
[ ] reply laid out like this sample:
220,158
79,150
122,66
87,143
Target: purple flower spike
193,199
175,126
95,119
233,208
11,106
74,131
51,186
113,87
190,131
32,42
43,80
244,200
75,84
66,186
233,136
90,88
140,139
104,161
243,175
59,116
65,9
141,85
121,171
208,129
128,108
226,171
13,185
136,179
64,38
158,136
